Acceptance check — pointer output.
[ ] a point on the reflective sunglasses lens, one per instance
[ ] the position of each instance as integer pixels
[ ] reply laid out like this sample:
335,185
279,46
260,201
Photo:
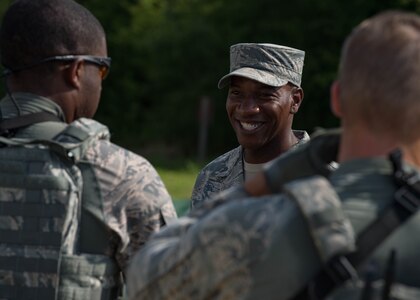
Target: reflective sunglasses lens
103,71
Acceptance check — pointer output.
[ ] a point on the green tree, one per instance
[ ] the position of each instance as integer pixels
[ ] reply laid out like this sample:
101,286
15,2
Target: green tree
168,54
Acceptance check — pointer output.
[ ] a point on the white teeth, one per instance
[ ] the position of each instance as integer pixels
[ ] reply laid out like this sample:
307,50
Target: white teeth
249,126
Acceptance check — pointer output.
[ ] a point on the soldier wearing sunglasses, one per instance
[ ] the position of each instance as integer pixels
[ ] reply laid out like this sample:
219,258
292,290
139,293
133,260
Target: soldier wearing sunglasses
55,59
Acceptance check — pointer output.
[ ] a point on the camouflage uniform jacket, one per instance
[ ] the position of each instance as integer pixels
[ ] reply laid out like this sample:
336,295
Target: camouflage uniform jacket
262,248
226,171
135,200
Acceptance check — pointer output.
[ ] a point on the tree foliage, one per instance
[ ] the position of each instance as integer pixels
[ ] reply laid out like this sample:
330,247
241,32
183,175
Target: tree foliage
168,54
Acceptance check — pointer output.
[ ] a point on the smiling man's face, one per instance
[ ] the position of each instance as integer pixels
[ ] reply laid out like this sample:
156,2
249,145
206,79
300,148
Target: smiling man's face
261,115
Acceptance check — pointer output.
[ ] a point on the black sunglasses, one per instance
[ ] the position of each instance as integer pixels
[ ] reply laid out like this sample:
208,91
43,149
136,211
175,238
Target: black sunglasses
103,63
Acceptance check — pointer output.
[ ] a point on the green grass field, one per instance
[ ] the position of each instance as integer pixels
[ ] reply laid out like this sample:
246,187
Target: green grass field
179,179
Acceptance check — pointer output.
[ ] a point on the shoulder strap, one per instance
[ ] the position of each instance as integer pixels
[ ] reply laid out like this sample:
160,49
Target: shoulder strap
77,137
71,143
342,268
8,126
320,206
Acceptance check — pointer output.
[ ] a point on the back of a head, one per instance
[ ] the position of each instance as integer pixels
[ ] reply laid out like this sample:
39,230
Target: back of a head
380,73
32,30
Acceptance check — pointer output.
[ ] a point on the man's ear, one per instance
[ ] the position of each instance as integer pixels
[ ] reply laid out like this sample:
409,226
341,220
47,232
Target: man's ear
335,99
297,97
73,73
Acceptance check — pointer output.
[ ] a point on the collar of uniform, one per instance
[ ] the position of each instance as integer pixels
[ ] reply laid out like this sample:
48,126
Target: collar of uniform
366,165
353,170
302,137
28,104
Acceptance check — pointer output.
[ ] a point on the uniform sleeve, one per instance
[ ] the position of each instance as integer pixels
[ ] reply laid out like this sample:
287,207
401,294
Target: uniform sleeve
220,174
197,192
136,202
211,256
180,263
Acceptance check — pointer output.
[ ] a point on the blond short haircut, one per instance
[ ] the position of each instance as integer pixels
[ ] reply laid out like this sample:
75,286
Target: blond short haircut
379,75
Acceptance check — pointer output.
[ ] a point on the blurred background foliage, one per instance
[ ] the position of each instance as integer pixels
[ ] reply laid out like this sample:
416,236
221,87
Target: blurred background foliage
169,54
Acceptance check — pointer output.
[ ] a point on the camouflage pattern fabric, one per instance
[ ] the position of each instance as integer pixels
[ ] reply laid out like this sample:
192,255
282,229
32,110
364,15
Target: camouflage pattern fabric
39,204
226,171
263,248
331,230
232,252
135,202
41,191
269,64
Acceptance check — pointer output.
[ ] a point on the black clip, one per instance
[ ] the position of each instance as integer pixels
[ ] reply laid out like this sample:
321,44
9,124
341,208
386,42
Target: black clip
407,196
407,199
340,270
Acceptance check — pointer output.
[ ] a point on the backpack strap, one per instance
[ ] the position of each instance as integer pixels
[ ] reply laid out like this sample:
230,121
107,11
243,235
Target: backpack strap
321,208
9,126
70,143
78,136
342,267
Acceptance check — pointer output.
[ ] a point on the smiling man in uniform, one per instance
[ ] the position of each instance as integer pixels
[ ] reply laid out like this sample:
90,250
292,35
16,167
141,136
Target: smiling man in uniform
264,94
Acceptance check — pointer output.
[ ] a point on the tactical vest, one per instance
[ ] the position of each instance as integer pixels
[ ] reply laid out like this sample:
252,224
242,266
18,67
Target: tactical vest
52,245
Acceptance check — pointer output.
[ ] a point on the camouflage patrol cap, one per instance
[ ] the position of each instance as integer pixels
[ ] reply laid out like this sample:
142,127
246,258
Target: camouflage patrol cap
270,64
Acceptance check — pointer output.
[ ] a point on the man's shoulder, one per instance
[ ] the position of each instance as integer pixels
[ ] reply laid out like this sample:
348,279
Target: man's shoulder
224,161
221,173
102,147
322,209
222,166
119,170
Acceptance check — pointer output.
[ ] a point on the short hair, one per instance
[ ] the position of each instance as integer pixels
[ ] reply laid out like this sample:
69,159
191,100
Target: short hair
379,75
32,30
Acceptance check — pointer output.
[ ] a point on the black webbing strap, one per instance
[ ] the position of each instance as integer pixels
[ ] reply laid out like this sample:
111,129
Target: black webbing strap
18,122
342,268
19,292
26,264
